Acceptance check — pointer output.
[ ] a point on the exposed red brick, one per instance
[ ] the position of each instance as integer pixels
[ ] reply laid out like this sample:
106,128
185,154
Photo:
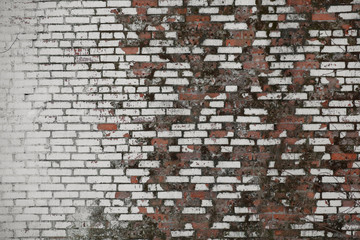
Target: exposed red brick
107,127
197,18
144,3
323,17
343,156
131,50
122,195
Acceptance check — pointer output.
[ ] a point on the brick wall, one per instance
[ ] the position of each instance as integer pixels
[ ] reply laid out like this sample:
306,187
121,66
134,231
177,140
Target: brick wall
180,119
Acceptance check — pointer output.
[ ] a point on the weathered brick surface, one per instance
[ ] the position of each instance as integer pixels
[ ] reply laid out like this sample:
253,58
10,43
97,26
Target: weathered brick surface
180,119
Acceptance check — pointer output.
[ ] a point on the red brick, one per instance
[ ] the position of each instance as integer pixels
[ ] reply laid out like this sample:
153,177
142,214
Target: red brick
107,127
323,17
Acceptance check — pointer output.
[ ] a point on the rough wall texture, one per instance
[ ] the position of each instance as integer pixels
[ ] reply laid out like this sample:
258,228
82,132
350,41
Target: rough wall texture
188,119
